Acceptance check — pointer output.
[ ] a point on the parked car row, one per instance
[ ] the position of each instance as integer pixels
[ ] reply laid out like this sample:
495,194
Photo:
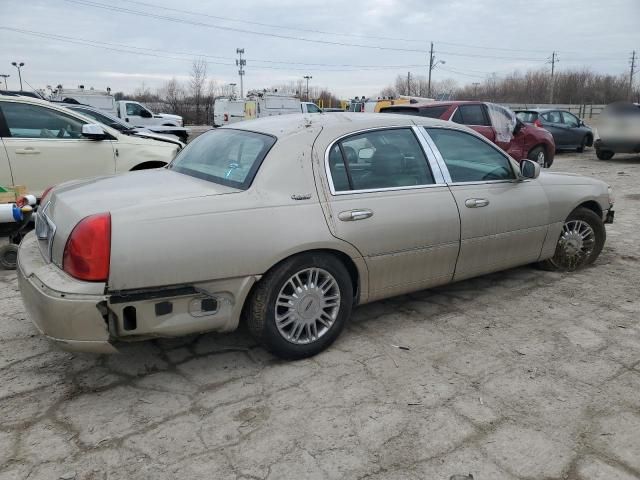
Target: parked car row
356,207
495,122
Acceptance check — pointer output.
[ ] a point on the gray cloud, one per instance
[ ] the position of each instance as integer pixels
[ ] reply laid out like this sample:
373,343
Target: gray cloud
599,35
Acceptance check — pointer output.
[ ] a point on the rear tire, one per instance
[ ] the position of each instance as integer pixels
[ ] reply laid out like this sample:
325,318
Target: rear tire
604,154
580,242
9,256
539,155
300,307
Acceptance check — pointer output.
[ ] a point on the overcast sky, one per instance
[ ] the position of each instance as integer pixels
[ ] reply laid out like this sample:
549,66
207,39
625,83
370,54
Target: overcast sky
473,37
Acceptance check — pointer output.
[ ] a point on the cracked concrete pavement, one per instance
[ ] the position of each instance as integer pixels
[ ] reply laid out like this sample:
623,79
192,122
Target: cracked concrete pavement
522,374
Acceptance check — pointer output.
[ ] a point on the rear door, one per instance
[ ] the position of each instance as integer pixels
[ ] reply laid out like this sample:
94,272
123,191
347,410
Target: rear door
503,221
388,199
45,147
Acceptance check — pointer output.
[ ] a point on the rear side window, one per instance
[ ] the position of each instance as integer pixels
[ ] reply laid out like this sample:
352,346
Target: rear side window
527,117
470,159
33,121
225,156
378,159
471,115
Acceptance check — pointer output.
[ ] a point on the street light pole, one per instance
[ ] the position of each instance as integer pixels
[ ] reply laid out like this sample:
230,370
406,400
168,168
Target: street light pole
19,66
432,64
5,80
307,78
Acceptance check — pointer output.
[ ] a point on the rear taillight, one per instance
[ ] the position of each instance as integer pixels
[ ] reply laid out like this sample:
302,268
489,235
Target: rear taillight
45,193
538,123
88,250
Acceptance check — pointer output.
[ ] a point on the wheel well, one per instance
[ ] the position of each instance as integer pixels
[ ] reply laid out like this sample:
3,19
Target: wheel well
589,139
541,145
147,165
168,125
343,257
593,206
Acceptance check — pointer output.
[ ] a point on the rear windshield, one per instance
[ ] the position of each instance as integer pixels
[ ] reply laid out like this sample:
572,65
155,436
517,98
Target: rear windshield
225,156
527,117
429,112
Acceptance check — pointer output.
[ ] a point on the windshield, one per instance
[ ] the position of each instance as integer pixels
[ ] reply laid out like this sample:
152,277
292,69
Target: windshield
226,156
103,118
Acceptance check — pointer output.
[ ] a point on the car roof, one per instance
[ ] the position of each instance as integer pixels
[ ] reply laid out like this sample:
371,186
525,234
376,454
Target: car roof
284,125
443,103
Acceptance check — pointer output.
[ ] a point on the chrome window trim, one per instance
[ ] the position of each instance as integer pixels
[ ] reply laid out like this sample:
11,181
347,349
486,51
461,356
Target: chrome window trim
411,127
515,178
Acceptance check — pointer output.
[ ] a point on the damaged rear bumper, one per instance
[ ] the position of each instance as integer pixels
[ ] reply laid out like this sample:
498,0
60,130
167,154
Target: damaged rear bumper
80,316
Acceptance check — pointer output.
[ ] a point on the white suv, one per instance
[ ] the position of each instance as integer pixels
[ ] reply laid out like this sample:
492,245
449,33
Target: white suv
43,144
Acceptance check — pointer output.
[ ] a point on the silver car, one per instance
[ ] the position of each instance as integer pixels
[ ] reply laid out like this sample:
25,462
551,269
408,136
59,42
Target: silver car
287,223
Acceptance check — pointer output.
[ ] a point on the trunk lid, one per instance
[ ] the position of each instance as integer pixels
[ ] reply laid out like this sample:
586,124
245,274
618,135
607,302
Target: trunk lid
70,202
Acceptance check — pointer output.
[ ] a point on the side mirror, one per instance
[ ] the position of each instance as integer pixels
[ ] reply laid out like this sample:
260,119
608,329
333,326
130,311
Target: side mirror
529,169
145,114
93,131
581,123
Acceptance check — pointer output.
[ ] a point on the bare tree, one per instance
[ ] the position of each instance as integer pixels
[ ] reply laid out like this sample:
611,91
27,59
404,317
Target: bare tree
172,93
197,85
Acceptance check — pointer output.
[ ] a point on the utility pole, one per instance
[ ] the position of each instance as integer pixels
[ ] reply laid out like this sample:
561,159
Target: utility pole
5,80
409,83
553,60
475,89
632,62
19,66
241,63
432,64
307,78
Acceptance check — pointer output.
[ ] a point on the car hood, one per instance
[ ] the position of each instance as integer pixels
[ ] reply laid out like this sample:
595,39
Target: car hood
159,137
168,116
72,201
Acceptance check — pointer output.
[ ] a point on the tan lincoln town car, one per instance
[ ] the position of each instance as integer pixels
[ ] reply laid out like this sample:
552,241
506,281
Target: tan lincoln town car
287,223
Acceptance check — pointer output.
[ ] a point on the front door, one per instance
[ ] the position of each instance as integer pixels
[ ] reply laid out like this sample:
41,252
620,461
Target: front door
45,147
503,221
390,202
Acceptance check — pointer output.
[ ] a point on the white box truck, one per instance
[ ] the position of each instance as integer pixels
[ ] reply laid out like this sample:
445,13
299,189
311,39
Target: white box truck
257,105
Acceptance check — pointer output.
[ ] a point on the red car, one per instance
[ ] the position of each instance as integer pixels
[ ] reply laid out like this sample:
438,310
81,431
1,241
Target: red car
497,123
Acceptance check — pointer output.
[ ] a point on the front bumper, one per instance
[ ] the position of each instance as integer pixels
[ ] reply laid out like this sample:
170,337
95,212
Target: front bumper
81,316
618,146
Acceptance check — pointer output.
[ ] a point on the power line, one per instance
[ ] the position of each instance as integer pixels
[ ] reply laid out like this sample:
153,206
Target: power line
325,32
238,30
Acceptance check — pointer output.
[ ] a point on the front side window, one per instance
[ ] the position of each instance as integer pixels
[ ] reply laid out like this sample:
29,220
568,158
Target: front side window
225,156
570,120
312,108
470,159
552,117
33,121
379,159
134,110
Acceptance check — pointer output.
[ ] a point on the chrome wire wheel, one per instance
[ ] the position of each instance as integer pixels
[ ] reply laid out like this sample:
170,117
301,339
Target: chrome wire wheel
307,306
577,243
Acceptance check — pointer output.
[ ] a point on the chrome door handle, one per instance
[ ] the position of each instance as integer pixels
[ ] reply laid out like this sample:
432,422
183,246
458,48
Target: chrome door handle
351,215
476,202
27,150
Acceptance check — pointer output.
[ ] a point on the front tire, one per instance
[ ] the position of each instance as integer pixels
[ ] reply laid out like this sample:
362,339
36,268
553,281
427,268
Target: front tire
300,307
583,144
539,155
604,154
581,241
